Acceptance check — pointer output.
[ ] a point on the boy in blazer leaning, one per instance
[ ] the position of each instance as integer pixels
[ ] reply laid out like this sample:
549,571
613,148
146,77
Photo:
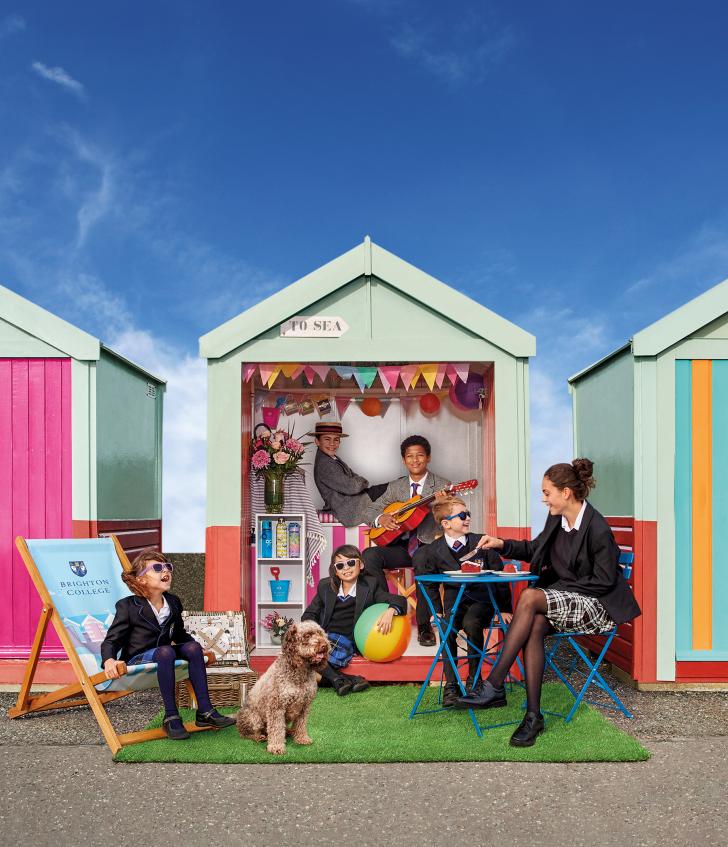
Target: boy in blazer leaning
416,453
475,611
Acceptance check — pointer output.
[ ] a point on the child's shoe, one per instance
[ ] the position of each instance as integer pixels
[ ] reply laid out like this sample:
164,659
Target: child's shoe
358,683
450,694
343,685
213,719
174,728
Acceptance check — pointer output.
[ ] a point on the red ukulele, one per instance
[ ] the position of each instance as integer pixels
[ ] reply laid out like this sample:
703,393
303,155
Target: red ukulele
410,514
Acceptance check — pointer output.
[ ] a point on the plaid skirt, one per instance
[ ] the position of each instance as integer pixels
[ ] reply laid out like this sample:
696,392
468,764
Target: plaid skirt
571,612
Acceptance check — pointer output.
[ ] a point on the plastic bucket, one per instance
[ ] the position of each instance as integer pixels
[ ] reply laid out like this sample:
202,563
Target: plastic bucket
279,589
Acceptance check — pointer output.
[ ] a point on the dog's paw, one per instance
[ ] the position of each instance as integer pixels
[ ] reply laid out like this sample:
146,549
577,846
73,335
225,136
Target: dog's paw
277,749
303,739
258,738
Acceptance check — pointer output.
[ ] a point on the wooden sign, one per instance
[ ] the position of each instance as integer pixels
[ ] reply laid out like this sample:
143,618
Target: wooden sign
314,326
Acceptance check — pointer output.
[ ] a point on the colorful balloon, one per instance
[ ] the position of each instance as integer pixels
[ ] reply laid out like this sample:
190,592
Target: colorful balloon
371,406
430,404
375,646
466,395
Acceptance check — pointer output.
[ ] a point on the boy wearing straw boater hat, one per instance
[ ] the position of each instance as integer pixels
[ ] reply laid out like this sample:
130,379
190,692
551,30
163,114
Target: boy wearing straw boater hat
345,494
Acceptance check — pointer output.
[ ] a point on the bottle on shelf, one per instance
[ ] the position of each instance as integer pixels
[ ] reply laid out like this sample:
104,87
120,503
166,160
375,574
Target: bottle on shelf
294,540
266,540
281,539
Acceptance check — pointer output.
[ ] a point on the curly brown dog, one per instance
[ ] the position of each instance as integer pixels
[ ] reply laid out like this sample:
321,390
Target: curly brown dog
284,693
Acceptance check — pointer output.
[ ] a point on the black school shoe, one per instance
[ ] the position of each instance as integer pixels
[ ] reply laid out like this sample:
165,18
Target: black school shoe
450,694
485,697
358,683
213,719
529,730
425,635
343,685
174,728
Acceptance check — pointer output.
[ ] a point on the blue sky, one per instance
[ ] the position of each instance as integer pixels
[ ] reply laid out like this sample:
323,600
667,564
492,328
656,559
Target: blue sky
165,165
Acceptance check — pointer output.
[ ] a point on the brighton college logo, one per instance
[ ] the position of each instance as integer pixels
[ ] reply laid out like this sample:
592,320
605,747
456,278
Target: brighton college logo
78,568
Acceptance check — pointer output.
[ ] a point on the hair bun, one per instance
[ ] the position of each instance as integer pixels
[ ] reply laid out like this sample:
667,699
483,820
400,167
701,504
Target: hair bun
584,468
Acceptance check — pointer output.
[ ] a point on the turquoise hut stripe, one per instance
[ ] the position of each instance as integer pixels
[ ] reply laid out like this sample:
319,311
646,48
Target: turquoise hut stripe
720,507
683,507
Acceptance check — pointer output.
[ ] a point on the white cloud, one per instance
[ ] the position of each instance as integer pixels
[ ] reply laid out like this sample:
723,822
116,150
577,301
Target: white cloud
11,24
465,53
185,434
60,77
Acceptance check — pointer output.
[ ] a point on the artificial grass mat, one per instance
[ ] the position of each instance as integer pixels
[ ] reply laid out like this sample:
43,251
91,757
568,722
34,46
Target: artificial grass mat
374,726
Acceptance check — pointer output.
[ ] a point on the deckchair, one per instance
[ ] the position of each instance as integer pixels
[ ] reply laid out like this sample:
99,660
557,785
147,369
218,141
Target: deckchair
79,582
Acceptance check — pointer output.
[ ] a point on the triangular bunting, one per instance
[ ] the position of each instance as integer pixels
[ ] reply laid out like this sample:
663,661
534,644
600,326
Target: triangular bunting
365,376
322,371
342,404
462,371
297,372
405,403
416,376
265,371
274,376
385,405
309,373
389,374
429,373
289,368
249,370
344,371
440,377
408,371
452,374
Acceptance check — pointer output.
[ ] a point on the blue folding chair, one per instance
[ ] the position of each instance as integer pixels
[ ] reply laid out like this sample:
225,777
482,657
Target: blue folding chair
593,677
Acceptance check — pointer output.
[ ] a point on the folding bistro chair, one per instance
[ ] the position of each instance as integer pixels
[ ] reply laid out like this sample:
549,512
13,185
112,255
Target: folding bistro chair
79,582
592,675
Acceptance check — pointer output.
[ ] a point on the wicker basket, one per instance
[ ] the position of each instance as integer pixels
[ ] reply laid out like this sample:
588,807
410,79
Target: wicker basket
228,687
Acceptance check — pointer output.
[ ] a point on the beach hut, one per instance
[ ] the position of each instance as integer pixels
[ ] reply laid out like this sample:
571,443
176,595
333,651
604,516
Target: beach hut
80,452
653,415
363,339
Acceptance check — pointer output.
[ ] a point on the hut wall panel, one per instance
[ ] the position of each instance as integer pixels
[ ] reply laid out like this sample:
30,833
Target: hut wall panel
133,536
35,486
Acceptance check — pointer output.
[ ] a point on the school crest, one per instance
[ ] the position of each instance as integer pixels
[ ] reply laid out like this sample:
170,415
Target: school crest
79,568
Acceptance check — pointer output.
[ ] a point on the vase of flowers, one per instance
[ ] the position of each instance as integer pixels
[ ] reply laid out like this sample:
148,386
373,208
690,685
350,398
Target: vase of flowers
276,625
274,456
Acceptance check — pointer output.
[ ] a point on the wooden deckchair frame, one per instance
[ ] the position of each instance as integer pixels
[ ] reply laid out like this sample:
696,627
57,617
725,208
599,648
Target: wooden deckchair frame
83,691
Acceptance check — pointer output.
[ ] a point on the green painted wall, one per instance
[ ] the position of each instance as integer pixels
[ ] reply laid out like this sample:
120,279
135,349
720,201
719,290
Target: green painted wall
604,432
128,442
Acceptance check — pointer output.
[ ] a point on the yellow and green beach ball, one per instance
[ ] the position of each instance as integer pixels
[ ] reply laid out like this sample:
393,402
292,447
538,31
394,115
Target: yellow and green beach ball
375,646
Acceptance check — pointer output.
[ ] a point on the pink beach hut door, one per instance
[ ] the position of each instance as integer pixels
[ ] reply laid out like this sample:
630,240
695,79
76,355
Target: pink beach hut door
35,486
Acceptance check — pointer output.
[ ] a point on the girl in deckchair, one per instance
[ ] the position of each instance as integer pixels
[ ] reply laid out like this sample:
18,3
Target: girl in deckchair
580,588
148,628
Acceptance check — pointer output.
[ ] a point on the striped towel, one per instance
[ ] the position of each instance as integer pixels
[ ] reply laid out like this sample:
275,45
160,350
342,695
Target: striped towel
296,498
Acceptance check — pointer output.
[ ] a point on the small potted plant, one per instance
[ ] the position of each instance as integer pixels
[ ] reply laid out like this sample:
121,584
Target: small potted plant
277,625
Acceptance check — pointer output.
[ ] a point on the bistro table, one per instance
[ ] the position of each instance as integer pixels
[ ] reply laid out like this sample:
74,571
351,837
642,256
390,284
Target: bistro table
445,626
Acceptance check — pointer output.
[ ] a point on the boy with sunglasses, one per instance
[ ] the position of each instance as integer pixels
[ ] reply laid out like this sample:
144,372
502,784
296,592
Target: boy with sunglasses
148,627
476,609
338,605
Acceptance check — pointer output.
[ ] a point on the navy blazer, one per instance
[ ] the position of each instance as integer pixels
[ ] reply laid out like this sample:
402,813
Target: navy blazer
135,628
594,564
321,608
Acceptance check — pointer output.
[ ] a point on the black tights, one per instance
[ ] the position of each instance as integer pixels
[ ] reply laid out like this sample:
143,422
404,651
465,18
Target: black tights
527,631
192,653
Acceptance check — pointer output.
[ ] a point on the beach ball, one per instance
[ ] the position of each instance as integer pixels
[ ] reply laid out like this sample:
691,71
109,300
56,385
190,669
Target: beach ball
430,404
375,646
371,406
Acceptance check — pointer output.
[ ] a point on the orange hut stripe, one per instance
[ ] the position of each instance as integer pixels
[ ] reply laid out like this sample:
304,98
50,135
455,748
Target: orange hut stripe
702,516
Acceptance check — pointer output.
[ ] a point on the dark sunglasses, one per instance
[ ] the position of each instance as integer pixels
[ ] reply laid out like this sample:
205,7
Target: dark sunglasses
349,563
158,567
461,515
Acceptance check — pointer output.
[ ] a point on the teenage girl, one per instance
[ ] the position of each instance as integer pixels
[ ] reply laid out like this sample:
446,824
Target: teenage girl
580,589
148,628
337,606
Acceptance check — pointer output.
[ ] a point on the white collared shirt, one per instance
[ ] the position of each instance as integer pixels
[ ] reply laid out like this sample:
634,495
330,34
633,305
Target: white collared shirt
577,523
352,593
161,614
463,539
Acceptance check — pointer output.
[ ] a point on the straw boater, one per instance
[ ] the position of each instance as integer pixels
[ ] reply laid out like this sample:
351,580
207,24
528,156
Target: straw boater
344,492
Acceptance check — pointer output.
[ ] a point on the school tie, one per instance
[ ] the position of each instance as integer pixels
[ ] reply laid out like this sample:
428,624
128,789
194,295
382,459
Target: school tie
415,486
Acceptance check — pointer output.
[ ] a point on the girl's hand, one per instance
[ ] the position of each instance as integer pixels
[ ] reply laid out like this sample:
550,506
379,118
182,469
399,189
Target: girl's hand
489,543
211,657
384,624
112,668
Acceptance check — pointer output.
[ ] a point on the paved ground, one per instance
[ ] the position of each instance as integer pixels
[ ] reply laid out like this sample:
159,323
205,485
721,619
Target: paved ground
58,786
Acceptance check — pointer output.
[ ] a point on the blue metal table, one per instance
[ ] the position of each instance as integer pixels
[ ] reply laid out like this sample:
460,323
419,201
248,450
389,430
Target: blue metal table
444,627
